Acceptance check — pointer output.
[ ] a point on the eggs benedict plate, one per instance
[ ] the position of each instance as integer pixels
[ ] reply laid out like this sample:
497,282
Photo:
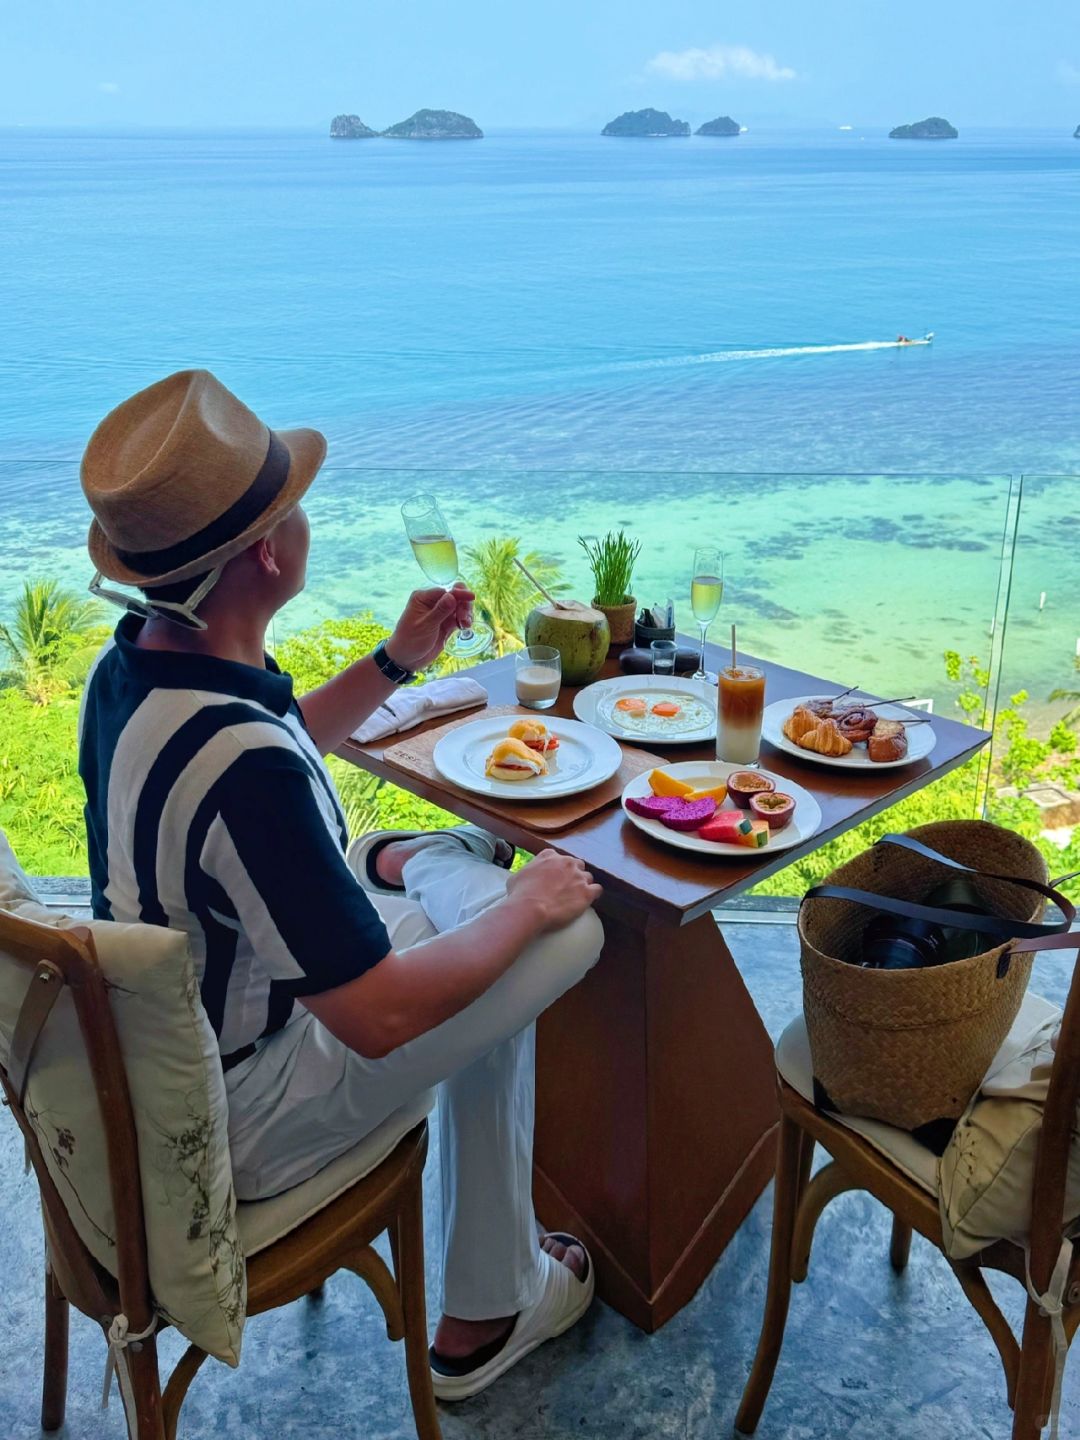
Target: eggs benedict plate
491,757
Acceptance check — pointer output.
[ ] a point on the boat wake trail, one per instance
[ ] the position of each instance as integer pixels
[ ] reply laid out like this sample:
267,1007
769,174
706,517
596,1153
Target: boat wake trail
773,352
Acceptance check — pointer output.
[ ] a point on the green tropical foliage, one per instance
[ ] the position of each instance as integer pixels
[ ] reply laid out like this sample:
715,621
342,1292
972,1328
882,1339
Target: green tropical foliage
504,595
1071,717
41,800
51,640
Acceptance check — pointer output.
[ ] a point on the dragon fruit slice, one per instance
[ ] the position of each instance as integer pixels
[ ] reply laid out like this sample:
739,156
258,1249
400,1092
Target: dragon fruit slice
688,814
653,807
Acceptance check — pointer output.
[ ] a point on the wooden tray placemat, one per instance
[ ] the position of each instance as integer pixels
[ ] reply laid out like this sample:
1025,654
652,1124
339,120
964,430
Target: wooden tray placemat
414,757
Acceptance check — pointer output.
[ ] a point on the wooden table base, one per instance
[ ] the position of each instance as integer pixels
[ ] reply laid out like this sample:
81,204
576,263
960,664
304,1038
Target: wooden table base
655,1110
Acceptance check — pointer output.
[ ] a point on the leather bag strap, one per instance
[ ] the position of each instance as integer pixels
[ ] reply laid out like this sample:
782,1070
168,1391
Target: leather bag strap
1028,935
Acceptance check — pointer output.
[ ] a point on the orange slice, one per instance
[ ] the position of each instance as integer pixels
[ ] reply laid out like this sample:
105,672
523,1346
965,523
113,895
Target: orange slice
631,705
661,784
667,709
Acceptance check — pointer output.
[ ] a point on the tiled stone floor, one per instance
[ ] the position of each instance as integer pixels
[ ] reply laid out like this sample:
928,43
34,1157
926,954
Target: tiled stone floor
868,1354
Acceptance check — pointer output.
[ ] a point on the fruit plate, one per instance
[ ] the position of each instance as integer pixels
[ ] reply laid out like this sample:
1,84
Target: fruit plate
696,699
921,738
805,822
585,757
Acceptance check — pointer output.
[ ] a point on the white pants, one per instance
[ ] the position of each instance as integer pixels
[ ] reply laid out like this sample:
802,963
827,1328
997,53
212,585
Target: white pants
305,1098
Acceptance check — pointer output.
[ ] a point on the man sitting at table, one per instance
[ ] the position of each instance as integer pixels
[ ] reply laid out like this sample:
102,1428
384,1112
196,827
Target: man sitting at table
339,987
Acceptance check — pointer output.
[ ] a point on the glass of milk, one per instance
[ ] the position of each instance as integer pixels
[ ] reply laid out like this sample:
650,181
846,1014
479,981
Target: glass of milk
537,676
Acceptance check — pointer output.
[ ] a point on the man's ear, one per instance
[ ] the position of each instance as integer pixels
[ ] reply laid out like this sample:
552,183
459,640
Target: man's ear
265,556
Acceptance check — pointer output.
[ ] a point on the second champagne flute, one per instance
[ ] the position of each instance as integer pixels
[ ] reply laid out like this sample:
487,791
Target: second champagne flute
706,592
436,554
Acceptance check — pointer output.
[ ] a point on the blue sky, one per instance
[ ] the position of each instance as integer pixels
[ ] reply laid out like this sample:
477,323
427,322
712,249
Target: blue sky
560,63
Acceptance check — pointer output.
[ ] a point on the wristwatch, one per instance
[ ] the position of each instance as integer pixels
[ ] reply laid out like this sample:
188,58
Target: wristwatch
390,668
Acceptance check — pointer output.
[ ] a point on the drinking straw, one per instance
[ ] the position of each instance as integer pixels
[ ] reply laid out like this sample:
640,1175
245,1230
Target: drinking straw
733,664
559,604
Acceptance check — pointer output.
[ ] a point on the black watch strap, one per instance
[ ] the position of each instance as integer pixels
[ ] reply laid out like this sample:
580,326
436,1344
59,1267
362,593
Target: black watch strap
390,668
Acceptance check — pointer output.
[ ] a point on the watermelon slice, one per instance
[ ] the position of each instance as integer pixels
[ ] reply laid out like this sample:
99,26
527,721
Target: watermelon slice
688,814
727,827
653,807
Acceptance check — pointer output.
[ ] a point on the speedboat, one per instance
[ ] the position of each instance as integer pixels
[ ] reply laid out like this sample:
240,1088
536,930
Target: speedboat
927,339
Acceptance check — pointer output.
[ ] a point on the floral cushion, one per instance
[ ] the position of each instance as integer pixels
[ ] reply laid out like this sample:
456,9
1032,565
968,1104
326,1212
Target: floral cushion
197,1271
987,1169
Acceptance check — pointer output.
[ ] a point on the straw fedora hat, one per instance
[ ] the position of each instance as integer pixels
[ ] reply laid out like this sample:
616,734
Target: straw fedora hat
183,476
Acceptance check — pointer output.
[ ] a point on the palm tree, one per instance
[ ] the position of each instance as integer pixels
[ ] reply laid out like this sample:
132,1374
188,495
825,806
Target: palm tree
1071,717
43,639
504,595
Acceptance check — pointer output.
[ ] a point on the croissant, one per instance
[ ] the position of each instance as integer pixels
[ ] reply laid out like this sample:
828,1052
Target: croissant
799,723
825,739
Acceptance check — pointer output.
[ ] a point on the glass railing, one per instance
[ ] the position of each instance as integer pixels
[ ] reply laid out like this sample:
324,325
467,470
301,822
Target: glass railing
870,580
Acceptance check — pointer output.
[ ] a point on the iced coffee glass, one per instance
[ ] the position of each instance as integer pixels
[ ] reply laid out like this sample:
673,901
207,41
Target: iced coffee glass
740,702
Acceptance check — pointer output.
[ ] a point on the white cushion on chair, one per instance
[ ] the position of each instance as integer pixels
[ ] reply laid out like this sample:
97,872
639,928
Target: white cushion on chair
261,1222
794,1064
984,1178
988,1168
177,1092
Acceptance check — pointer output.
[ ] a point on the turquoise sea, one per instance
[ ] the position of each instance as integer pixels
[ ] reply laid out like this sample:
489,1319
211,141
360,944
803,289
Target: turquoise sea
558,333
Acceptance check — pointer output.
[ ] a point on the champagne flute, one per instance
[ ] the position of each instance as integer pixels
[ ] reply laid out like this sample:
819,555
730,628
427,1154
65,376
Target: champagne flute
436,554
706,592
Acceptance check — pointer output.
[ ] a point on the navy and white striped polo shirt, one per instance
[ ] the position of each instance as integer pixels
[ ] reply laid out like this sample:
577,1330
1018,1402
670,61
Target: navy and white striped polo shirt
210,810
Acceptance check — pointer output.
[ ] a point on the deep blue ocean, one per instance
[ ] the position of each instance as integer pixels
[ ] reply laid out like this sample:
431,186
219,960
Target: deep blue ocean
566,332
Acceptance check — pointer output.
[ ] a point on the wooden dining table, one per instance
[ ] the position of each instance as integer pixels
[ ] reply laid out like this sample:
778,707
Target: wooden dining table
655,1087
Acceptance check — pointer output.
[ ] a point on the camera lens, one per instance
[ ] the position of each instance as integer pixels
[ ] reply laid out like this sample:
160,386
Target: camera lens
898,942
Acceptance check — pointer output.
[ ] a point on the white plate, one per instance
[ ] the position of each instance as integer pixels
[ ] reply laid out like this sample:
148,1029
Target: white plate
595,705
805,822
585,757
921,738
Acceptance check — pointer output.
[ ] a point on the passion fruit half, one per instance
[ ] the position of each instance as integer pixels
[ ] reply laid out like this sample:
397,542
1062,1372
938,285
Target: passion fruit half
741,784
774,807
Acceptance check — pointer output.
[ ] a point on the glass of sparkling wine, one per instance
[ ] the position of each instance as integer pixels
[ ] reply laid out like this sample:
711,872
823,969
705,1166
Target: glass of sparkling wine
706,592
436,554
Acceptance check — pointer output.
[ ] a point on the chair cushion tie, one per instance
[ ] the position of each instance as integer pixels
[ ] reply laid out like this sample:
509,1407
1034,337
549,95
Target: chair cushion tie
120,1337
1052,1305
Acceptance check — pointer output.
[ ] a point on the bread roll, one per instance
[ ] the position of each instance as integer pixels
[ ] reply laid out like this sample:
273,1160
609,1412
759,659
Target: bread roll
888,741
513,760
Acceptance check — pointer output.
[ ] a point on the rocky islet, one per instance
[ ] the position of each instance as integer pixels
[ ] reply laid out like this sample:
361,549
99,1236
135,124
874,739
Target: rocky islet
932,128
646,124
423,125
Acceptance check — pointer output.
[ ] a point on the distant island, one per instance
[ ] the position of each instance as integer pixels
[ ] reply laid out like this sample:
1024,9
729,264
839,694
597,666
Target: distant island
1076,133
435,125
424,125
646,124
350,127
722,125
934,128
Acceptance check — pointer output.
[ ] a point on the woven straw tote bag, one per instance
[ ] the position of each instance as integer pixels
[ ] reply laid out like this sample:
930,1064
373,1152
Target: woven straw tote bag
911,1047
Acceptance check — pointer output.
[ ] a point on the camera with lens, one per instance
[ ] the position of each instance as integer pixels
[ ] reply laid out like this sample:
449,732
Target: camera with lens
904,942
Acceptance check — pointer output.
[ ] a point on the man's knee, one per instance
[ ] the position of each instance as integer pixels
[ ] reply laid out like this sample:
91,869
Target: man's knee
582,940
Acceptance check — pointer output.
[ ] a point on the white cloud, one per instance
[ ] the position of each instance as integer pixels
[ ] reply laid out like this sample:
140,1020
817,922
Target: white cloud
719,62
1068,73
108,87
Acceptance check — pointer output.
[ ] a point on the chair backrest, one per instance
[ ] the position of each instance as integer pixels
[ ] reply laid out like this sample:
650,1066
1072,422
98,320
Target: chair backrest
52,961
1056,1139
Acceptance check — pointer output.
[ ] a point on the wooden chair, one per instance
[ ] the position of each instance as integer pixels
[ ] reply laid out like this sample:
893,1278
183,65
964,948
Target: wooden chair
336,1237
855,1164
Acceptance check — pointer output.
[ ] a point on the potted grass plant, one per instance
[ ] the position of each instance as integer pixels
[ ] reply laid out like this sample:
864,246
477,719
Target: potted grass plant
612,560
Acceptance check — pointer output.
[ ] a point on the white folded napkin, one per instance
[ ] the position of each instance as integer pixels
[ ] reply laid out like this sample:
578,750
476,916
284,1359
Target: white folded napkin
406,708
